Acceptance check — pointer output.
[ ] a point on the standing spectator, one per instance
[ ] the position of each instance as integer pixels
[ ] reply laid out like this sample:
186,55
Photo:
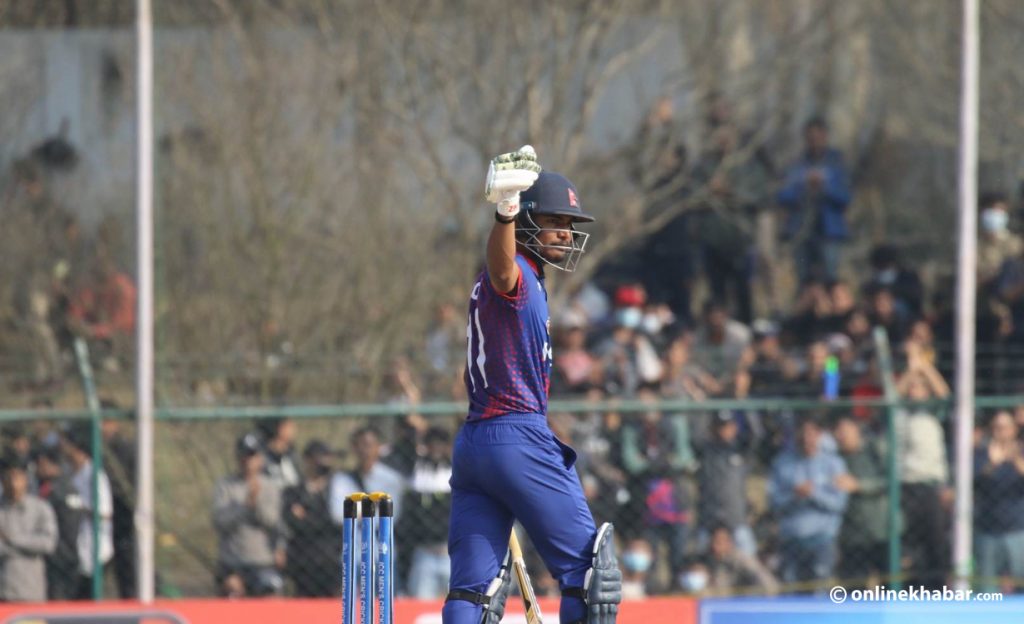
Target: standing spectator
314,540
425,517
28,533
997,243
726,223
279,463
443,349
815,195
925,495
370,474
999,504
730,569
76,445
719,345
656,453
722,479
55,488
103,311
659,158
120,463
247,517
809,507
862,542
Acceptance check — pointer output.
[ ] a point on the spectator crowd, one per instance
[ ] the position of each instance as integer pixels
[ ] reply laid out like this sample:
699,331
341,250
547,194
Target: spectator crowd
705,502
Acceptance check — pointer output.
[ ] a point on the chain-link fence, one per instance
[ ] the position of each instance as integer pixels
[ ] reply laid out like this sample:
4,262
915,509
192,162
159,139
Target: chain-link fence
728,498
318,223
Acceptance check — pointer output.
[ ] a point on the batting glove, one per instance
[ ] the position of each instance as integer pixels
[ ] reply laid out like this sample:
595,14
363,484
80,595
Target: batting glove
509,175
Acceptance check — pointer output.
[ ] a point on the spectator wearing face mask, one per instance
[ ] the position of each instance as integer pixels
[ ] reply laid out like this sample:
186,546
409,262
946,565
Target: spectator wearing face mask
996,243
628,359
637,559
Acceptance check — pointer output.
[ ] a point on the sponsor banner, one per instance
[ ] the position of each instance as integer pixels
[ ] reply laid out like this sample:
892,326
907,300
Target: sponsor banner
276,611
829,610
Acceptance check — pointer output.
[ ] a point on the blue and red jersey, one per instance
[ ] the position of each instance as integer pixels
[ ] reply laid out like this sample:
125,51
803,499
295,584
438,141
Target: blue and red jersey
508,352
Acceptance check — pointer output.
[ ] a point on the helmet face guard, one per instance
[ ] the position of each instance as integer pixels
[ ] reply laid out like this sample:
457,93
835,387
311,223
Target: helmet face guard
528,233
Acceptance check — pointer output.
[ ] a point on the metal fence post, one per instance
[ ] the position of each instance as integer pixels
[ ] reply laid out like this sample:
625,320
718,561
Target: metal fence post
93,402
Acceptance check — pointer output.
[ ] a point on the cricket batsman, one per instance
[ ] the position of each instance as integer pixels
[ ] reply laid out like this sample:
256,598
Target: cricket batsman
507,463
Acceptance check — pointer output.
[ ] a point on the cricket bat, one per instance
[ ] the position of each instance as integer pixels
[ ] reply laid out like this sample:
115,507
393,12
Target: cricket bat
525,587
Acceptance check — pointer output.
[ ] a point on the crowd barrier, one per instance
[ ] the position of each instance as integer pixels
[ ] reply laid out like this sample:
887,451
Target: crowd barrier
650,611
672,610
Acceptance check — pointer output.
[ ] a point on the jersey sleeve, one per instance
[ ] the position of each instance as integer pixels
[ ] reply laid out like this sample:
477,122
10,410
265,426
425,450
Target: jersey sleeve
516,298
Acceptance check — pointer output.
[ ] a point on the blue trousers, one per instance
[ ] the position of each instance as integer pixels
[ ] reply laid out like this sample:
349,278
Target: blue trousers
513,468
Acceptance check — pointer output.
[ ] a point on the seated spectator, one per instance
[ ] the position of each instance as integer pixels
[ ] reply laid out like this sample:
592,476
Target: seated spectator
809,507
279,463
767,368
841,306
722,482
247,517
628,358
810,316
597,440
314,540
55,488
682,378
863,546
573,365
656,323
999,504
427,505
883,312
656,453
730,570
103,310
77,448
28,533
370,475
887,271
810,382
637,559
814,196
719,345
925,493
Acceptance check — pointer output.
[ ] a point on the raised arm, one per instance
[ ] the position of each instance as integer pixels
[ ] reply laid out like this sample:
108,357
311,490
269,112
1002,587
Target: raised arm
508,175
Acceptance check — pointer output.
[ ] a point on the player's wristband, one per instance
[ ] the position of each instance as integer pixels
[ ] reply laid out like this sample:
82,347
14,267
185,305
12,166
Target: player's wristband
503,220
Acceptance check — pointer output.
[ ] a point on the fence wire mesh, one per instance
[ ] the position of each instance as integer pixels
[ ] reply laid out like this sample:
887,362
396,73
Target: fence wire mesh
731,501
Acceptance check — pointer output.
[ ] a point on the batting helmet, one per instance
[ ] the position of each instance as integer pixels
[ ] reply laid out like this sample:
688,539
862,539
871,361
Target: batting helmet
552,194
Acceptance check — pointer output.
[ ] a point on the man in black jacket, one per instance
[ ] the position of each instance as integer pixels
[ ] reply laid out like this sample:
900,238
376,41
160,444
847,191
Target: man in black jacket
314,541
722,478
56,489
